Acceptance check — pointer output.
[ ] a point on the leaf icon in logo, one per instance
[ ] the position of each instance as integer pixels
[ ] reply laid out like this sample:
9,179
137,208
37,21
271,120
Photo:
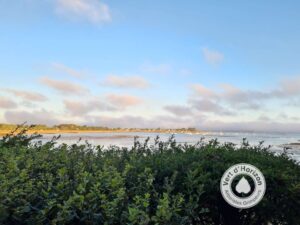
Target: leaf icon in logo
243,186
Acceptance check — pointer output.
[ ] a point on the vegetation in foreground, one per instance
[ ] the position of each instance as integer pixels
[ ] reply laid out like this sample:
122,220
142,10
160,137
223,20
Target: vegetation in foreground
166,183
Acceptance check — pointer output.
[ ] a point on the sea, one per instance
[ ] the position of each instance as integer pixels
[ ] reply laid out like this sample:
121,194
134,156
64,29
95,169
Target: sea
279,142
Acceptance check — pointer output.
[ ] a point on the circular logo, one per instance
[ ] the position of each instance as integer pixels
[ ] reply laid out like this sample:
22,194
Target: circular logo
243,186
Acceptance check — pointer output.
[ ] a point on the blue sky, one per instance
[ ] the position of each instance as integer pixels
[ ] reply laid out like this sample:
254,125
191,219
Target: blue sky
221,65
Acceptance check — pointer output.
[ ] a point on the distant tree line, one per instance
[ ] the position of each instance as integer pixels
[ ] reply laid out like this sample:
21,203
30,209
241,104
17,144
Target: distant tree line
63,127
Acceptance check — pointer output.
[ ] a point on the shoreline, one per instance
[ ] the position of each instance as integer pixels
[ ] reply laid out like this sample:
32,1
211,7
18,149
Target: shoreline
5,132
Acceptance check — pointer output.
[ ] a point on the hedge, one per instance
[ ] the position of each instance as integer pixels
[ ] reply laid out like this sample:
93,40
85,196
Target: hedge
164,183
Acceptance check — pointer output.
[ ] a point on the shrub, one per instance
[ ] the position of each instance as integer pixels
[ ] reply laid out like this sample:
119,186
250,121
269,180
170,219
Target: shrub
165,183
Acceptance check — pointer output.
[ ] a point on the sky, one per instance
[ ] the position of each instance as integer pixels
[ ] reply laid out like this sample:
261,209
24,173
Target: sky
213,65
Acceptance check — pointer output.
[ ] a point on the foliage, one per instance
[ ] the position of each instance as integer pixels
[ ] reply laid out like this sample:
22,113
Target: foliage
165,183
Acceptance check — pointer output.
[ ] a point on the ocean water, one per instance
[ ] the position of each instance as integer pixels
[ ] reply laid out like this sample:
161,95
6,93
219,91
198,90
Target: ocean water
277,141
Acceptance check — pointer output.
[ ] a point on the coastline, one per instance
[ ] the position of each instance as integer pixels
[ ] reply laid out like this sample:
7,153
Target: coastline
170,131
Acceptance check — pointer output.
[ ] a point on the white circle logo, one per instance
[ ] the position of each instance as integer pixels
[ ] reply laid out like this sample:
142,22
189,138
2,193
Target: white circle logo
243,186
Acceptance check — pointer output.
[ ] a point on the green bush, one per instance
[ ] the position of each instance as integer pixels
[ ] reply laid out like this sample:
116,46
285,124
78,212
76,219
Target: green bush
165,183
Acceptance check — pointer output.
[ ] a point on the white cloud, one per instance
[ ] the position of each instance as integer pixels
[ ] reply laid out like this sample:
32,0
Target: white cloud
202,91
93,11
290,86
29,96
232,101
41,116
68,70
125,82
7,103
123,101
203,105
82,108
64,87
212,57
178,110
